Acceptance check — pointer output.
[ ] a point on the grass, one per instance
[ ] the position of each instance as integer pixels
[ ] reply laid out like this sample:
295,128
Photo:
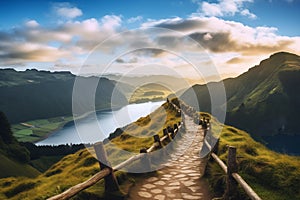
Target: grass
45,162
9,167
272,175
33,131
149,92
78,167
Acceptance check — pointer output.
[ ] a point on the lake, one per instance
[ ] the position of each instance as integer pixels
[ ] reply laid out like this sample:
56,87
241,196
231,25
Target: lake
92,129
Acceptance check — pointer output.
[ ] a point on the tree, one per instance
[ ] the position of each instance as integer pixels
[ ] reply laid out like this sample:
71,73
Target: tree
5,130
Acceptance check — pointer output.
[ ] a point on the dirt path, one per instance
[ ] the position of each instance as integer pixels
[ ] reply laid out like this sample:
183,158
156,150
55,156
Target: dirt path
180,179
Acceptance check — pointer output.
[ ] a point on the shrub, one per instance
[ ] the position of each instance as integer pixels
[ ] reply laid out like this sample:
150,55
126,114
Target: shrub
19,188
89,161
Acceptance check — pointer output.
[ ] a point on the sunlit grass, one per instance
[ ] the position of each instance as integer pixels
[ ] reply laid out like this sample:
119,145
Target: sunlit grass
78,167
149,92
272,175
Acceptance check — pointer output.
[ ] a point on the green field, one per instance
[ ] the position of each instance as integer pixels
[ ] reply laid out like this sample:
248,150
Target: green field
33,131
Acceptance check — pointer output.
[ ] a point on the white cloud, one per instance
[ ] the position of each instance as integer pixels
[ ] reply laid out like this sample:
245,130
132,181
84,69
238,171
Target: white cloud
111,22
134,19
32,42
247,13
234,46
231,44
66,10
224,8
32,24
211,9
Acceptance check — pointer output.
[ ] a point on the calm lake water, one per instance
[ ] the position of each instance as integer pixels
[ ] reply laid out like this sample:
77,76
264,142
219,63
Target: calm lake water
93,129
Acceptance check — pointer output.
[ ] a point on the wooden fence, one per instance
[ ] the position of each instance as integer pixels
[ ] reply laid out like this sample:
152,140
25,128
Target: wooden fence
107,173
233,178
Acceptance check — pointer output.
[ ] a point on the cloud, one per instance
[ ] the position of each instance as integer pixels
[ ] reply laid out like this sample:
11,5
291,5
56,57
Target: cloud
127,60
224,8
233,46
66,10
17,53
32,24
236,60
219,36
247,13
134,19
31,42
229,43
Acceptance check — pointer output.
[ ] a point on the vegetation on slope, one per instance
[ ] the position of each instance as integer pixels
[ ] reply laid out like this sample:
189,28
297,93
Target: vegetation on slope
149,92
36,130
14,157
265,101
272,175
33,94
80,166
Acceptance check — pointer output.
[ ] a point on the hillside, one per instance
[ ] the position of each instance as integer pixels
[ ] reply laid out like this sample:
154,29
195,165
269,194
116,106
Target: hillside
33,94
14,157
263,101
272,175
77,167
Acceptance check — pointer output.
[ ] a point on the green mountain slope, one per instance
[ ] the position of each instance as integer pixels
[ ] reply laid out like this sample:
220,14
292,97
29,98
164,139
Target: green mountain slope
263,101
36,94
10,167
272,175
80,166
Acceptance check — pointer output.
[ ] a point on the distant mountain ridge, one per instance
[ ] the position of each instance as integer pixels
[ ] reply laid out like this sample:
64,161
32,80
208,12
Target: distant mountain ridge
34,94
264,101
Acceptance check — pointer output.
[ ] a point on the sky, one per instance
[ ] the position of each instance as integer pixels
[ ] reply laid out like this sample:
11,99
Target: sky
187,37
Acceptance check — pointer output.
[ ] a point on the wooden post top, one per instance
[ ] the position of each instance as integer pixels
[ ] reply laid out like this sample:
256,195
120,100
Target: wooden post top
156,138
143,150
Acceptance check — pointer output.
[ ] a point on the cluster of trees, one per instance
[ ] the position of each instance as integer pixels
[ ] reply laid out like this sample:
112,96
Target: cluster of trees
48,150
9,146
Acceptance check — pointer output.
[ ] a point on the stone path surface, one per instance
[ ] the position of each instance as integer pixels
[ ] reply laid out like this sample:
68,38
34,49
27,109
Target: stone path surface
180,178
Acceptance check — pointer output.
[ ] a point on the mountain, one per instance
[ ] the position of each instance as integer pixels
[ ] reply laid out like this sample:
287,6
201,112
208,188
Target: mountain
264,101
33,94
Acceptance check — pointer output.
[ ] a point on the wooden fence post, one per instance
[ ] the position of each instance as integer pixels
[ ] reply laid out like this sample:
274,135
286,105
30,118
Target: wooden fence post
156,139
111,183
165,131
175,126
145,160
231,184
171,131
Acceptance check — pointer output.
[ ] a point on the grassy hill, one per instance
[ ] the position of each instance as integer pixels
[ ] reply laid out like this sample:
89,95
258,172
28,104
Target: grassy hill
33,94
10,167
14,157
272,175
149,92
265,101
77,167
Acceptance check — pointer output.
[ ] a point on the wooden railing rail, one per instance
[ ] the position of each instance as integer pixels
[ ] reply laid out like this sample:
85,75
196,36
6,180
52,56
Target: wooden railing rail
232,176
106,172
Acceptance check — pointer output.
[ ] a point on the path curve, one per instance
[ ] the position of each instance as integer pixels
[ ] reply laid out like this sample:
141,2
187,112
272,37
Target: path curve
181,178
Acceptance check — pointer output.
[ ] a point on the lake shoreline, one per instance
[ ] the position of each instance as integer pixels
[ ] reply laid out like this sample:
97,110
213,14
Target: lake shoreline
85,116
